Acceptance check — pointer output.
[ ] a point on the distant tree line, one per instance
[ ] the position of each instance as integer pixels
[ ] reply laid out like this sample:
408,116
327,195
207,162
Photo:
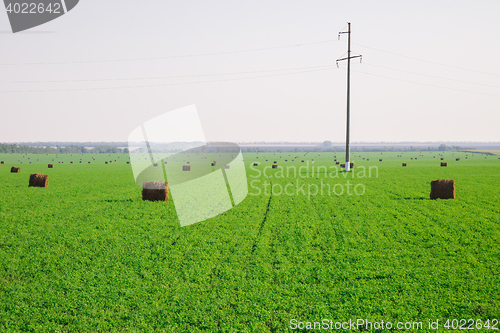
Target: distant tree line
75,144
24,149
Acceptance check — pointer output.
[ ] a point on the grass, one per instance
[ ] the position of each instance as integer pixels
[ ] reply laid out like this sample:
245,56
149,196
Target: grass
87,254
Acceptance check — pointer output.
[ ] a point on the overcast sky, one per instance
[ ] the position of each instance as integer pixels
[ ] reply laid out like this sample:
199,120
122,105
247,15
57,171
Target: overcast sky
430,70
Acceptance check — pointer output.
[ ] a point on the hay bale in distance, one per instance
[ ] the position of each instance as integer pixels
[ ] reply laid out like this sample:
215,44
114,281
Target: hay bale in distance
186,168
404,164
155,191
51,166
15,170
275,166
38,180
443,189
443,164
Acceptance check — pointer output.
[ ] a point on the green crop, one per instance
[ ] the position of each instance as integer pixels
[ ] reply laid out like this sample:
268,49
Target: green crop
87,254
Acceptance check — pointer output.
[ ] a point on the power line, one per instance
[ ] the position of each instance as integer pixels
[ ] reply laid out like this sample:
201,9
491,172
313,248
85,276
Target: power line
170,77
166,57
432,76
165,84
426,84
428,61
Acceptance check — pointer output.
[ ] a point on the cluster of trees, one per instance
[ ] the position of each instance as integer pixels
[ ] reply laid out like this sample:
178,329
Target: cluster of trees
24,149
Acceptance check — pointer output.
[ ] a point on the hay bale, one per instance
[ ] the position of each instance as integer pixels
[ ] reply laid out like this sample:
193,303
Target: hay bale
443,189
255,164
155,191
38,180
51,166
227,167
404,164
186,168
443,164
275,166
15,170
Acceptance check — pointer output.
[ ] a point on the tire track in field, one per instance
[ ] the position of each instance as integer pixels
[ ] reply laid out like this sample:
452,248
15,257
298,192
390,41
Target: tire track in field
259,234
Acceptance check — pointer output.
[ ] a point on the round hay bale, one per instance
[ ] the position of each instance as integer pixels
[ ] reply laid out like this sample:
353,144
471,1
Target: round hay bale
155,191
38,180
443,189
15,170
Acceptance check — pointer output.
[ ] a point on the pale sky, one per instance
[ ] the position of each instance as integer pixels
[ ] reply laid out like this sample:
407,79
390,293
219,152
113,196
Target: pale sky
430,70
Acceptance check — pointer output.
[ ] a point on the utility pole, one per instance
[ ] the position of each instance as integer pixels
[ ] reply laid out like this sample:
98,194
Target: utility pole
348,125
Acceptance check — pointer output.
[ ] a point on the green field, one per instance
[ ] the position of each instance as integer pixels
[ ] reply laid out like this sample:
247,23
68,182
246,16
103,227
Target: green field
87,254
